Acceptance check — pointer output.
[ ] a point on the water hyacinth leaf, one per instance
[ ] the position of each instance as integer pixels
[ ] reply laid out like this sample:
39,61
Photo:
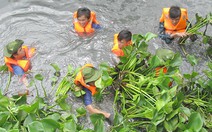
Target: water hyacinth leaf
172,92
205,39
21,115
123,59
148,113
63,104
208,73
19,100
104,66
70,68
81,111
177,78
149,36
172,114
173,123
87,130
55,66
3,130
36,126
29,119
168,126
39,77
4,103
155,91
168,107
164,54
97,121
155,61
178,101
50,125
142,46
194,74
136,38
106,79
131,63
30,108
160,104
3,68
192,60
158,117
210,65
79,93
195,122
176,61
99,83
198,18
14,130
186,111
3,117
187,76
70,126
54,116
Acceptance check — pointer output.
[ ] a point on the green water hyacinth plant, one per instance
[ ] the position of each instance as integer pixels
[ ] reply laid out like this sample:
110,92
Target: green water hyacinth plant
199,24
145,100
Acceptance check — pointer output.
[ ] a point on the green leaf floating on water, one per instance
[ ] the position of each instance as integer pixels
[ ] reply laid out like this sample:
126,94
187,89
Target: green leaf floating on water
165,54
39,77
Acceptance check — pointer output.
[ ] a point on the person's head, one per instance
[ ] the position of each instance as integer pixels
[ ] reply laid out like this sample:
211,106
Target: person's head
175,14
14,49
124,38
90,75
83,16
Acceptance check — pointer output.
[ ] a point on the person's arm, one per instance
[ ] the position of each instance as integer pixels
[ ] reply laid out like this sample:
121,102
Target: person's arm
96,26
166,37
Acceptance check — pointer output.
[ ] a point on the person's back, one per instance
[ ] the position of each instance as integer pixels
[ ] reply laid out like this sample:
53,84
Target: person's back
85,22
121,40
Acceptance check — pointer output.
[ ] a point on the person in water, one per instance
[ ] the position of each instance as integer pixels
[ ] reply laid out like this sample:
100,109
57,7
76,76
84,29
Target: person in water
17,58
85,22
121,40
173,24
85,80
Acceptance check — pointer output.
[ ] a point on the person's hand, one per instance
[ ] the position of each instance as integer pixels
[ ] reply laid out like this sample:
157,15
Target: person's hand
175,35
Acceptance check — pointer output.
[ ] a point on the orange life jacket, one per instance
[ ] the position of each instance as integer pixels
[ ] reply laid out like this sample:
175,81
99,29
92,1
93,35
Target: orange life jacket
116,50
157,71
88,28
79,80
169,27
24,64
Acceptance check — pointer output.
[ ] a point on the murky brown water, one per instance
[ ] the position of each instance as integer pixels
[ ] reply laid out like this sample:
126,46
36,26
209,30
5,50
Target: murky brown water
47,25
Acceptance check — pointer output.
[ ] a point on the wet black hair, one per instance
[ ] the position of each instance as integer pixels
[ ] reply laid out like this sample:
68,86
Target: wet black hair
174,12
124,34
84,11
